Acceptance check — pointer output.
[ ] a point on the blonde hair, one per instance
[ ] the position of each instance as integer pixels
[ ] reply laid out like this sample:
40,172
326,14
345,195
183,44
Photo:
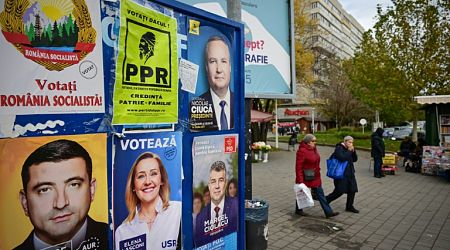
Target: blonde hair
131,198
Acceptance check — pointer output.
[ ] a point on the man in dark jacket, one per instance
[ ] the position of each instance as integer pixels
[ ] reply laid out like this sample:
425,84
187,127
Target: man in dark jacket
377,152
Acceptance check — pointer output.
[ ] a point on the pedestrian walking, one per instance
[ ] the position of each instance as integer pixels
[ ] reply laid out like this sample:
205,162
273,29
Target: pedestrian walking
292,141
307,171
345,151
377,152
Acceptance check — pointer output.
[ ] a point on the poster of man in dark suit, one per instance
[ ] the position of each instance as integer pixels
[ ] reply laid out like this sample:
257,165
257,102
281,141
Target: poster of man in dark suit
60,177
219,217
213,109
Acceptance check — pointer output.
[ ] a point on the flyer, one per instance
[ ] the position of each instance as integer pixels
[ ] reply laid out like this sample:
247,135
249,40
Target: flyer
147,191
146,88
212,104
51,57
54,185
215,196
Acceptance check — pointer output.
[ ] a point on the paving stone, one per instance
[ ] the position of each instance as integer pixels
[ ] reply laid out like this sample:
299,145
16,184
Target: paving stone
395,211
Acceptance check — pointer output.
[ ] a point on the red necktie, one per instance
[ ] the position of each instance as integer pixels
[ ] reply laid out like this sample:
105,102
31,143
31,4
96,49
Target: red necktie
216,209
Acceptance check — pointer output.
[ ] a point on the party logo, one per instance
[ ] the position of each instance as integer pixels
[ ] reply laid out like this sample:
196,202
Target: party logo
53,33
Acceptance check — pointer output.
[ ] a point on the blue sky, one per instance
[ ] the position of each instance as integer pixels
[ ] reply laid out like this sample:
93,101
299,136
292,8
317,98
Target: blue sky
364,11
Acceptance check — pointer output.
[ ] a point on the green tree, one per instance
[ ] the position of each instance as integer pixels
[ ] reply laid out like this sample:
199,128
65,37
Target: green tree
339,103
304,56
30,32
407,54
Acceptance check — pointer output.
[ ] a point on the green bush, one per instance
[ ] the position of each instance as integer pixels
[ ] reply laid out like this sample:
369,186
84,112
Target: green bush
355,135
347,129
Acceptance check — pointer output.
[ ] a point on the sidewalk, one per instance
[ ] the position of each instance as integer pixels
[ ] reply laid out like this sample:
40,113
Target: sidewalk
402,211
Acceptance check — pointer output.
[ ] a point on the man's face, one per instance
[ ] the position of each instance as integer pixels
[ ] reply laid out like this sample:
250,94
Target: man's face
147,180
57,199
216,185
145,49
218,67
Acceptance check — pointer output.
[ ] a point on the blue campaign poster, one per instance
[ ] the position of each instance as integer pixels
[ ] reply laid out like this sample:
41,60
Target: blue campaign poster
215,215
147,190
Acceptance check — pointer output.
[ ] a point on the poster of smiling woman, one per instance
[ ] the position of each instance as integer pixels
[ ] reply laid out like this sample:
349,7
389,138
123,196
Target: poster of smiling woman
147,191
53,192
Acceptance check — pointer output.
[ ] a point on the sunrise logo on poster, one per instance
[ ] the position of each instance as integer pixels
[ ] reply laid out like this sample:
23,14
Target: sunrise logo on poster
54,34
148,54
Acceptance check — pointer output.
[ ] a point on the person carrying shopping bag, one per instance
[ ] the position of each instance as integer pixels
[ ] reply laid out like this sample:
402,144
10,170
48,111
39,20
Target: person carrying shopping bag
307,171
345,151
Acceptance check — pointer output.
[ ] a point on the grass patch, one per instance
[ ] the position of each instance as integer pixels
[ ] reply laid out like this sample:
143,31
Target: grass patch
362,141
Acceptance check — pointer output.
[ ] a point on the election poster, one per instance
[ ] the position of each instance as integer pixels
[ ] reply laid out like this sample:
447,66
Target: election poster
51,57
268,51
212,103
53,188
146,87
215,201
147,191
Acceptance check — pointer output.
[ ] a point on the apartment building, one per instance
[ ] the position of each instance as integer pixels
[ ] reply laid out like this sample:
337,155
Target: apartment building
337,33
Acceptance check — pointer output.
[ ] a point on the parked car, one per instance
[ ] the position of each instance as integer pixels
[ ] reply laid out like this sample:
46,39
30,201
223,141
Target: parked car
401,133
388,132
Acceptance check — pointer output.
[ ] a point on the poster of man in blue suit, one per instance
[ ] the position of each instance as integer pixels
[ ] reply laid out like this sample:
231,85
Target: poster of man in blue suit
212,106
215,164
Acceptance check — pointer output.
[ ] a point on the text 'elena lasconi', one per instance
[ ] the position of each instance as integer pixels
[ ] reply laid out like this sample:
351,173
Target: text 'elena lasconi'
148,143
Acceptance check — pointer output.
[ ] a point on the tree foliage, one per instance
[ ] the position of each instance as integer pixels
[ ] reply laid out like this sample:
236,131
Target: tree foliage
406,54
304,56
339,104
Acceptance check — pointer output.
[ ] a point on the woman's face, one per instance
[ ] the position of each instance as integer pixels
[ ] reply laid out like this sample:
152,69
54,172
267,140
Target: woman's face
197,205
147,180
348,143
232,190
313,142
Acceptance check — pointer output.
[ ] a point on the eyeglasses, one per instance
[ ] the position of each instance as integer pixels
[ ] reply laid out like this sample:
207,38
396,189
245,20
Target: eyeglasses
314,141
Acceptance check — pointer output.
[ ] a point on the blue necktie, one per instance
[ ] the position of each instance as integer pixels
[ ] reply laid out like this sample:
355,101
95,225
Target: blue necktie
223,116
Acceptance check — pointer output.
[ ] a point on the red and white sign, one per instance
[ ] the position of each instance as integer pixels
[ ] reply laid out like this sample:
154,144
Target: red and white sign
230,144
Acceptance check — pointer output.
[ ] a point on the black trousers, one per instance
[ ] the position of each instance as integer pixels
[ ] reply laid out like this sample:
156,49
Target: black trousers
336,194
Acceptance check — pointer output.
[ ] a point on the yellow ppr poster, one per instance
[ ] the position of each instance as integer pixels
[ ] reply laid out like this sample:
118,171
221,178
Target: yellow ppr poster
146,87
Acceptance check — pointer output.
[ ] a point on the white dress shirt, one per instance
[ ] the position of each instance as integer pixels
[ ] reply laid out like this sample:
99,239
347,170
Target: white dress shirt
218,109
163,233
221,205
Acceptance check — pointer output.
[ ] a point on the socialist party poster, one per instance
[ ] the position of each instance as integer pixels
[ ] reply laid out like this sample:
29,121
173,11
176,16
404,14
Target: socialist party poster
215,171
147,191
146,87
51,57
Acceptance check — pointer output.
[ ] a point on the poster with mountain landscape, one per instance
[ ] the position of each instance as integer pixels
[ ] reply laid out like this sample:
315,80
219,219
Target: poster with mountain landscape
51,57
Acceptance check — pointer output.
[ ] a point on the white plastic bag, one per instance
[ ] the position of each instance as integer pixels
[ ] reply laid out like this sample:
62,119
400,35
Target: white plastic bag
303,195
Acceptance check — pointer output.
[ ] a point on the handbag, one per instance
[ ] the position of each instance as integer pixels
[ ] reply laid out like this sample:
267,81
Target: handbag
303,196
309,174
336,168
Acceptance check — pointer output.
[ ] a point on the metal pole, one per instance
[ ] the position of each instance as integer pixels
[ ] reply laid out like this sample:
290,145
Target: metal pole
276,123
313,125
234,12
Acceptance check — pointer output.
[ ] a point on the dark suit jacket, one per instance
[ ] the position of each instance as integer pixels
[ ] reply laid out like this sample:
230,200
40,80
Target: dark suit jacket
94,229
230,209
207,96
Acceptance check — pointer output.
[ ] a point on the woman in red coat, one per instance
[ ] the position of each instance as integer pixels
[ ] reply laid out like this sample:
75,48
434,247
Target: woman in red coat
308,160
